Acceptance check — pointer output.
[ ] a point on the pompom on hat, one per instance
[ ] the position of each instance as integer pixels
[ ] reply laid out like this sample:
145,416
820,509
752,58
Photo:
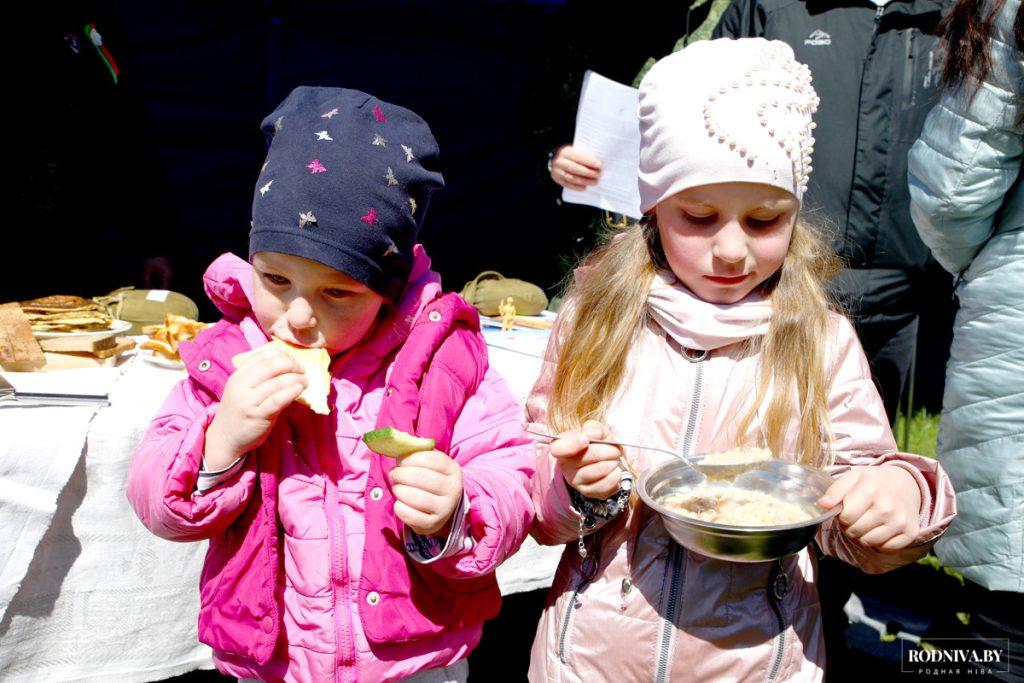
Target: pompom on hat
346,183
726,110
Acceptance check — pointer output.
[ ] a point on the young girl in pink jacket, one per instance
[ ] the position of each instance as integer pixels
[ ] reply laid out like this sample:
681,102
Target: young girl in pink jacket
703,328
328,562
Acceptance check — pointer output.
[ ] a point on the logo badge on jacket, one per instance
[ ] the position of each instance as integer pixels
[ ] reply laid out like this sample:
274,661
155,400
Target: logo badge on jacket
818,38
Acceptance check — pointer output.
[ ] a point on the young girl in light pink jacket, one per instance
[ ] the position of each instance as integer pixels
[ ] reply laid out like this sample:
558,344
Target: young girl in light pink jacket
705,327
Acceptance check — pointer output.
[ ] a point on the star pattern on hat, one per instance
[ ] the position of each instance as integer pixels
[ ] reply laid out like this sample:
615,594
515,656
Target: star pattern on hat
264,166
371,217
408,153
266,188
306,218
392,249
324,135
279,123
412,205
316,167
378,114
329,114
390,177
379,140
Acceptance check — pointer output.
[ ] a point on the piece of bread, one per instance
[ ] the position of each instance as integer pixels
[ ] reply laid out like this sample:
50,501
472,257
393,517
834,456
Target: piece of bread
315,363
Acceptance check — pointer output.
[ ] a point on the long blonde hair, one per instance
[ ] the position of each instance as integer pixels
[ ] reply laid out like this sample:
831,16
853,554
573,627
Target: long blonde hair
607,308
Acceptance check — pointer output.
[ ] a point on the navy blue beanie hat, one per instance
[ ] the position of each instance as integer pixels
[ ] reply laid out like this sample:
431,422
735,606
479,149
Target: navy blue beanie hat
346,183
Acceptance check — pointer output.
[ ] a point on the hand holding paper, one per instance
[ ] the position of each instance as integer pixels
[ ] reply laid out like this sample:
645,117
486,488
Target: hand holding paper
607,129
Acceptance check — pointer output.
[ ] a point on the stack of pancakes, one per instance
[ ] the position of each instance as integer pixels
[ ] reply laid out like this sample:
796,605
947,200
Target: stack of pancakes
66,313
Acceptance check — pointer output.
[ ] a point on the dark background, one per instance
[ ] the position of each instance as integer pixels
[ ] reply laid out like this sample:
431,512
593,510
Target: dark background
165,161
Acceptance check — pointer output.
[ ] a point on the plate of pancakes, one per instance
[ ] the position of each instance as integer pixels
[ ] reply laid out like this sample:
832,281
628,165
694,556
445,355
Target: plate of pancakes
66,315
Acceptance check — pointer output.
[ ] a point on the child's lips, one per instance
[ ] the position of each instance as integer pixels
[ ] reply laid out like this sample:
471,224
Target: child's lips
292,342
723,280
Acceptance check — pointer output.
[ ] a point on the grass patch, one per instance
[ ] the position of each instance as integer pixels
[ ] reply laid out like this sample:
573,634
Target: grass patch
918,434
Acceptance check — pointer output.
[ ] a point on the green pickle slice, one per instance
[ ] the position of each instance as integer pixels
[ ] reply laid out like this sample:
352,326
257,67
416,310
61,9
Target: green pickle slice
394,443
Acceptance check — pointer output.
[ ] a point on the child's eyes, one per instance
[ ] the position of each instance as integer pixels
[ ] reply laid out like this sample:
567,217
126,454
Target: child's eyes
762,222
275,279
337,293
700,220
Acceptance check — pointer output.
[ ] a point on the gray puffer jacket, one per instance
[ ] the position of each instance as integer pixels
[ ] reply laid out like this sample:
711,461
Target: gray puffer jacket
968,205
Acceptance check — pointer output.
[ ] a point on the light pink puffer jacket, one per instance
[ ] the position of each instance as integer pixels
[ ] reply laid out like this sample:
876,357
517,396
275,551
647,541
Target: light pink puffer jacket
307,577
656,612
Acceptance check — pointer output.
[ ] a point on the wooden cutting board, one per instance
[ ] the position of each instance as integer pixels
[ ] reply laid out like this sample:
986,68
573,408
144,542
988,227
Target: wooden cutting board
19,350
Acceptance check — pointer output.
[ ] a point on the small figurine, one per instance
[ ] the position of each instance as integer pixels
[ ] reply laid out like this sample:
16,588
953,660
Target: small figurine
507,311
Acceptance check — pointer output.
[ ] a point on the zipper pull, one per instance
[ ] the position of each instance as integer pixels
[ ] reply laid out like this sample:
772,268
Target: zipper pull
878,13
627,586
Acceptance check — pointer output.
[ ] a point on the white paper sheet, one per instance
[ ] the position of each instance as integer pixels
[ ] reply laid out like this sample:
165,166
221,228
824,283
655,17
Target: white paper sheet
606,126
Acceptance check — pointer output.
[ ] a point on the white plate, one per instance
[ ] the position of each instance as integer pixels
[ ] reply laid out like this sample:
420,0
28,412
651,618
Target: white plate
116,327
154,358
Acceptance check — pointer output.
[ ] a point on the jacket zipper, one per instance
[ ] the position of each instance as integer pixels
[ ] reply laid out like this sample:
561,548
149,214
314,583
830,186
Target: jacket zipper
691,422
668,625
780,640
910,89
565,622
339,574
675,564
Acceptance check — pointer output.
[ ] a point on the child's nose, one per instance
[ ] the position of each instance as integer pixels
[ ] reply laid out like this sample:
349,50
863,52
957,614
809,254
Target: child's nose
300,314
730,244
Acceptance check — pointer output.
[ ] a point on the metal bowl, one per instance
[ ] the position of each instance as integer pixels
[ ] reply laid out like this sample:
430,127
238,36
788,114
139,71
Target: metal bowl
788,481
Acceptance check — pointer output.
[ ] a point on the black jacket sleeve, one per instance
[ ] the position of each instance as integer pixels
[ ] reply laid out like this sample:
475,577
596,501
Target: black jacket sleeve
741,19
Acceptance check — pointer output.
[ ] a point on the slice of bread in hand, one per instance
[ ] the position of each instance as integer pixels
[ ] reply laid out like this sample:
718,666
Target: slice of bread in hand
314,362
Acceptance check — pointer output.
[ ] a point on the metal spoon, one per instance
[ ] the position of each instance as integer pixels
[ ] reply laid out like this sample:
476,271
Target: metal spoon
707,472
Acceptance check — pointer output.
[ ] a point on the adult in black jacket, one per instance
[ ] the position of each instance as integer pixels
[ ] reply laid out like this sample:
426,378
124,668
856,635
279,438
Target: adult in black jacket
875,67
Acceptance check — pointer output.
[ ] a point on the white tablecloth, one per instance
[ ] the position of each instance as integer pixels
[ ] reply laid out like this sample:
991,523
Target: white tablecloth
102,598
90,594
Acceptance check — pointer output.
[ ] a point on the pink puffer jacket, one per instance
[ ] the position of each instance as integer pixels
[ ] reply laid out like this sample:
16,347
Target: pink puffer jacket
656,612
307,577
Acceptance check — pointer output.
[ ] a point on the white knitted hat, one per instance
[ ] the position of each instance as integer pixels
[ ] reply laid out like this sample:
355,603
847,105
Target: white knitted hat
725,111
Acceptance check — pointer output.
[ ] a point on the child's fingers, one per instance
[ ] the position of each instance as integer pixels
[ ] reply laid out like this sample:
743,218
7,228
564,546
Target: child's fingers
879,535
838,490
280,399
898,542
261,392
592,474
603,488
856,504
595,430
866,523
417,499
598,452
266,364
431,460
422,478
413,519
569,445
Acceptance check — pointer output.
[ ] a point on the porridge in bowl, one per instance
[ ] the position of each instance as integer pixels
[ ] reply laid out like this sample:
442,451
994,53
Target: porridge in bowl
735,506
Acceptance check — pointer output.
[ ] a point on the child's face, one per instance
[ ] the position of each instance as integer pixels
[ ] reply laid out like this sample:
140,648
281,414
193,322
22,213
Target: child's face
725,239
309,304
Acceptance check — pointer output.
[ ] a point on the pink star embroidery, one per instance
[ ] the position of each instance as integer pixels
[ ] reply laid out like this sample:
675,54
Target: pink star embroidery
378,113
371,217
316,167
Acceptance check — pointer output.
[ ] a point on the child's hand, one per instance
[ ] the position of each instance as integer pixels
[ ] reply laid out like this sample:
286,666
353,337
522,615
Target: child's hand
591,469
266,383
574,168
427,487
881,506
